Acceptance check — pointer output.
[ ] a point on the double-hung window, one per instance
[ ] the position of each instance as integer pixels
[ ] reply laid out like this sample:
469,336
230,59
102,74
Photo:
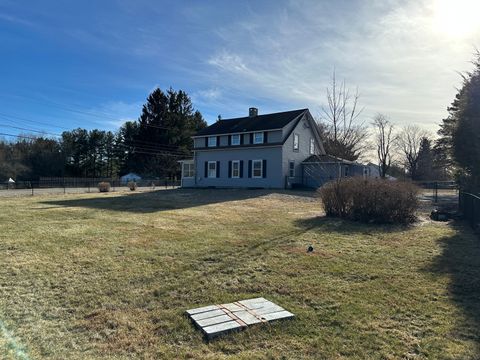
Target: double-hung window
236,169
235,139
258,138
212,141
296,142
312,146
212,169
257,168
188,170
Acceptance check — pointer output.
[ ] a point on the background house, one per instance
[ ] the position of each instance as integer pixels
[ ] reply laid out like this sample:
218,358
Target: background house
129,177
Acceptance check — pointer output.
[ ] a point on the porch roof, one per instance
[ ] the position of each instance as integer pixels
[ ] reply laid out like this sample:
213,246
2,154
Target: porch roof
314,159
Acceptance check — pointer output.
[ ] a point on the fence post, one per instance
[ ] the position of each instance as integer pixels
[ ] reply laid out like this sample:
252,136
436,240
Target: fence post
31,185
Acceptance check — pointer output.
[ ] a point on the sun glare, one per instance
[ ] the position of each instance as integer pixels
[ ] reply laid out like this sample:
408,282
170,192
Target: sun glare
457,18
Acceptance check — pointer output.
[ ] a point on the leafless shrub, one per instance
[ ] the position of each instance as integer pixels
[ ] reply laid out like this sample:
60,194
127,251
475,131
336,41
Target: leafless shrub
132,185
370,200
104,186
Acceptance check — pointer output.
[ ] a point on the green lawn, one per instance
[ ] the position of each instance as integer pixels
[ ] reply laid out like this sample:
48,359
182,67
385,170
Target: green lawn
109,276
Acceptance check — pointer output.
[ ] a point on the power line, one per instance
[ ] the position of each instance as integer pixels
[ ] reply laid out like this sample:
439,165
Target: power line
18,136
6,116
67,107
152,149
138,149
25,129
154,143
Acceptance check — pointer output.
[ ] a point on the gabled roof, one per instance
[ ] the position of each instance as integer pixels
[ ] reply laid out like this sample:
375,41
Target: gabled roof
255,123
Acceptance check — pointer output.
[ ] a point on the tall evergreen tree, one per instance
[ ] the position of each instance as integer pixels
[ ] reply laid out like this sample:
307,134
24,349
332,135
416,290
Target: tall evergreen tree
165,128
460,131
425,169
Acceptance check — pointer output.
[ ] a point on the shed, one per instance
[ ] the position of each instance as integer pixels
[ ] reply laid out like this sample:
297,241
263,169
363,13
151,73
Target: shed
319,169
130,177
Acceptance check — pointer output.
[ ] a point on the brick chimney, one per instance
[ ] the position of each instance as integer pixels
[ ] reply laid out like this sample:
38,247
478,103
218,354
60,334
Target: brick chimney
252,112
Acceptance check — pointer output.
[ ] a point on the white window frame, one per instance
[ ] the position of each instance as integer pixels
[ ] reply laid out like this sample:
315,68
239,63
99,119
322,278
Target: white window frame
291,171
296,144
236,162
312,146
253,169
190,172
255,137
212,143
208,172
235,136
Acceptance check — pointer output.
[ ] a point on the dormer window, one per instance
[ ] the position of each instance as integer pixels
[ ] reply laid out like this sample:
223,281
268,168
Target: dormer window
235,139
212,141
258,138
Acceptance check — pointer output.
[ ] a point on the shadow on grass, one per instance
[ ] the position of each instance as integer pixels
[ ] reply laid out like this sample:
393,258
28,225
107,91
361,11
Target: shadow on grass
162,200
460,259
332,224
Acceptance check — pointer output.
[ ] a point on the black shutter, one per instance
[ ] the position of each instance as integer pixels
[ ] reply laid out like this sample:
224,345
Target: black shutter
218,140
206,141
264,168
251,138
230,169
249,168
241,138
229,140
241,168
218,169
206,169
265,137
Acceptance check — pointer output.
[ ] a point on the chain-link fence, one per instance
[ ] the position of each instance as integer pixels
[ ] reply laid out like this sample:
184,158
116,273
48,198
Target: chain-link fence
469,205
80,185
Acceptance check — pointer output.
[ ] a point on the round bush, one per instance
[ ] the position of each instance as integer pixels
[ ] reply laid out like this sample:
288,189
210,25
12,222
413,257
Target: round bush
104,186
132,185
370,200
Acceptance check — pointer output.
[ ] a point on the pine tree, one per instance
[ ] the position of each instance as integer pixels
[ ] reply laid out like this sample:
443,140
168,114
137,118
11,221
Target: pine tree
165,127
460,132
425,161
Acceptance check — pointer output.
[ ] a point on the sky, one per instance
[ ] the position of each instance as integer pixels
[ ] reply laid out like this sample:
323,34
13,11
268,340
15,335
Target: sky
92,64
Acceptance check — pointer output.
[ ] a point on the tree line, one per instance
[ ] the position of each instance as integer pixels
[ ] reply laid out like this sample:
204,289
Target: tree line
454,154
151,145
405,152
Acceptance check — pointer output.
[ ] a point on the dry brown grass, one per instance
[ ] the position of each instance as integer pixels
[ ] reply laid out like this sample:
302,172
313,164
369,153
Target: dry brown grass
109,276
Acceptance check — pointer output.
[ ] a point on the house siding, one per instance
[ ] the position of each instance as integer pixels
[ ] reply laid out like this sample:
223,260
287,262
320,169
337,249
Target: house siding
272,155
288,154
272,137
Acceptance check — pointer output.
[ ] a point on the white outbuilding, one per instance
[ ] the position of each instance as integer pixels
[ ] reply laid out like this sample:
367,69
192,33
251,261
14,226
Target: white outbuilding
130,177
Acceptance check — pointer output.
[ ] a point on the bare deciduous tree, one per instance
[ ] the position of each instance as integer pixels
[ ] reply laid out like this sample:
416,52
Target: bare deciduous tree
344,135
384,139
409,141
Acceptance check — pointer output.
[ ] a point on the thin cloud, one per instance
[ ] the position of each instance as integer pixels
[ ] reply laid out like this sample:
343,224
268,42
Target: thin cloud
16,20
